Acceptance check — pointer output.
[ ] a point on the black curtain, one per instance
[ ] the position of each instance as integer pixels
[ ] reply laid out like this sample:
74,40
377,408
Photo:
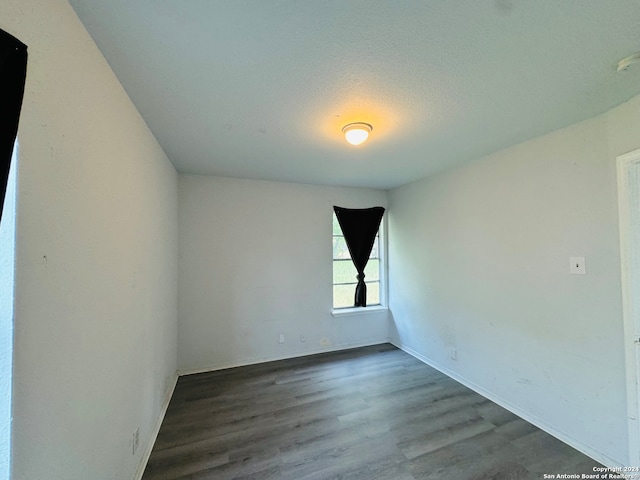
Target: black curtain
13,71
359,227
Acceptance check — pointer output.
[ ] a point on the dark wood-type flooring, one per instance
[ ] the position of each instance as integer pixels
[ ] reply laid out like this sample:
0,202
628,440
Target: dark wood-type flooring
372,413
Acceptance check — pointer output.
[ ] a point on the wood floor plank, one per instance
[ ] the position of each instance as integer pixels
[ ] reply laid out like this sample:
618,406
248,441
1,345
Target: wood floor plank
372,413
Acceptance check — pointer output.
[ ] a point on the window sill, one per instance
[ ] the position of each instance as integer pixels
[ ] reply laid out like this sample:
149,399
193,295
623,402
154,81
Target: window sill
347,312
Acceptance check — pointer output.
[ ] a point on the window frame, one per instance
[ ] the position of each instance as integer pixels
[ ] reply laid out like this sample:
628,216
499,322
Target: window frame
382,275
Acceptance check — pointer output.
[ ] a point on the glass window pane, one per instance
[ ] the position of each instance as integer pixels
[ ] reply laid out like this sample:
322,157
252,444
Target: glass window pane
373,293
336,226
343,295
372,270
340,249
344,272
374,250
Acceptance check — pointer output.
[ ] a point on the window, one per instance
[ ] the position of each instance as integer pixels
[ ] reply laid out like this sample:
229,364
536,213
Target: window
7,278
344,273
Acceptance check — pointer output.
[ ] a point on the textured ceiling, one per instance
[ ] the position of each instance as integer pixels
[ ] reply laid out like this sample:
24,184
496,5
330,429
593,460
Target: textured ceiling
261,88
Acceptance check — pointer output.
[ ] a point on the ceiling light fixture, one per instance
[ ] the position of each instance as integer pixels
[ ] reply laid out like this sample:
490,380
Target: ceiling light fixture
628,61
356,133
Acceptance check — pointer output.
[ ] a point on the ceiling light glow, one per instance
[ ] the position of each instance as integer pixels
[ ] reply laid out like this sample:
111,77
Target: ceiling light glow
356,133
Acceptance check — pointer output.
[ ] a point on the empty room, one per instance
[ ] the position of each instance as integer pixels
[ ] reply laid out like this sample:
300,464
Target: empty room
319,240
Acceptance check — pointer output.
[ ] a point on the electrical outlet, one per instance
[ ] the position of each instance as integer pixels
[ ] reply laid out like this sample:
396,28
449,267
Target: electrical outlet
302,338
453,353
281,338
135,441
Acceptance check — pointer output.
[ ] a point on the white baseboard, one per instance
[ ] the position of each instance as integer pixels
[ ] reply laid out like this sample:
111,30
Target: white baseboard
254,361
156,429
541,424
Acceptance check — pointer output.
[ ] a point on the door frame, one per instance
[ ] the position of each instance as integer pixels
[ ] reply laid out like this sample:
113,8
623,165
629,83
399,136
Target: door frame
628,166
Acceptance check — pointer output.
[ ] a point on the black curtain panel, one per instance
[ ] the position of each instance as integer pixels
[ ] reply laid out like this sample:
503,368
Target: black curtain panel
359,227
13,72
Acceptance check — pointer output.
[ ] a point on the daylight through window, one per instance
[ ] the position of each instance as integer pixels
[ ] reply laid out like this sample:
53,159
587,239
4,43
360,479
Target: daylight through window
344,272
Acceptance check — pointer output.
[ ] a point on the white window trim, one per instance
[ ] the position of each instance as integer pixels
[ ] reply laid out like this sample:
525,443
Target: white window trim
348,312
382,252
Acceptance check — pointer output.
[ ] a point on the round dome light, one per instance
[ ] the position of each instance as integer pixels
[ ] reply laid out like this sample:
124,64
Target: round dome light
626,62
356,133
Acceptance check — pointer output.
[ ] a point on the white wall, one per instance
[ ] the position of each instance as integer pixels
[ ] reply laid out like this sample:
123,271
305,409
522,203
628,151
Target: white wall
255,261
96,261
479,262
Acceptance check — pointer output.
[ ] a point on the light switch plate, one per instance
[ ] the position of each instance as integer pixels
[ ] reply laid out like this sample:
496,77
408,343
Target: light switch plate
577,266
